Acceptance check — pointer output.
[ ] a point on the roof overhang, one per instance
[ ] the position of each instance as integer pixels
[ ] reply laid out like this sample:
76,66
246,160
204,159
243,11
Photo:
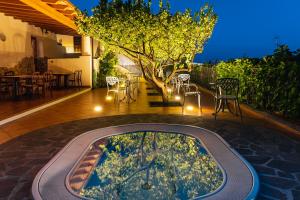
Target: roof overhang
53,15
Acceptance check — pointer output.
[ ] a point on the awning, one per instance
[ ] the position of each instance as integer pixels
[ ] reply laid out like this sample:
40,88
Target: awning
53,15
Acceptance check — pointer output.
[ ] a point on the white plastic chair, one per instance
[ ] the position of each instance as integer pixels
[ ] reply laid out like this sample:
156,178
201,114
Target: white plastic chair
183,81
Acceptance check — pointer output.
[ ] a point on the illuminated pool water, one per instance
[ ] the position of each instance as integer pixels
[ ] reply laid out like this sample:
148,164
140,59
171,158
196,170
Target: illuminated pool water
152,165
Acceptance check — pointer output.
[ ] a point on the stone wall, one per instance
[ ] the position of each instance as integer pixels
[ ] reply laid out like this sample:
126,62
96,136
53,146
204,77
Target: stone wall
28,65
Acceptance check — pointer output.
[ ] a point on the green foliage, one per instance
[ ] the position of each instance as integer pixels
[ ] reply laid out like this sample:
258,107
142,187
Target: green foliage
153,41
154,165
107,63
271,83
241,69
203,74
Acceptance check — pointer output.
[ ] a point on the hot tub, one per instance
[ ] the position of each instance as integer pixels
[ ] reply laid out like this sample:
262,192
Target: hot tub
147,161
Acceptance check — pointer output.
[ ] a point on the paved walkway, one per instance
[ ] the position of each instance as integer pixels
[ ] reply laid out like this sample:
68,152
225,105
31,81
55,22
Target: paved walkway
40,136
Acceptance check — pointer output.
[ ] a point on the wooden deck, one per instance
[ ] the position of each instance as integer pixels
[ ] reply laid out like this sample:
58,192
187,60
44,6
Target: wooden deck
10,107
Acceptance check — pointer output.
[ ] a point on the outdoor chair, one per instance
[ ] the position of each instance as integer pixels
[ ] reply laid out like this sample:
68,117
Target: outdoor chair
48,82
134,83
174,83
76,78
53,80
227,89
192,90
183,81
37,83
113,86
8,84
9,73
4,89
79,78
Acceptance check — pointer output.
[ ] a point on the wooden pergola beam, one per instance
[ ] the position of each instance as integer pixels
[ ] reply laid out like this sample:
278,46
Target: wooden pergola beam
7,8
67,12
34,20
50,12
58,6
32,12
50,1
52,15
14,4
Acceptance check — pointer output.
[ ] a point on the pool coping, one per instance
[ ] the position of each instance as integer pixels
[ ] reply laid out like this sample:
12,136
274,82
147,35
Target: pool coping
50,182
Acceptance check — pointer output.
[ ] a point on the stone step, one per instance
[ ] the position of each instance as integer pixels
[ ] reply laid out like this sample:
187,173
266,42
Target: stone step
88,163
88,158
82,176
93,153
76,186
87,167
76,179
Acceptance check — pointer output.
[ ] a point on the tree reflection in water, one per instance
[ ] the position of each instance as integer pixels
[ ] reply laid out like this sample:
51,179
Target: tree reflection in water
153,165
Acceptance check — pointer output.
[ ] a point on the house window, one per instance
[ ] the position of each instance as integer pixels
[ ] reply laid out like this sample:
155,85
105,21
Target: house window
77,44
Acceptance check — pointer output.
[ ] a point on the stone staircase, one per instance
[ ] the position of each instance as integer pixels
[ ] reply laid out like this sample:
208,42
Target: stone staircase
132,69
84,169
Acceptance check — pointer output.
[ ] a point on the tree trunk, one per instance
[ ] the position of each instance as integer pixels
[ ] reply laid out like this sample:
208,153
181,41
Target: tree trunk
164,95
161,89
149,75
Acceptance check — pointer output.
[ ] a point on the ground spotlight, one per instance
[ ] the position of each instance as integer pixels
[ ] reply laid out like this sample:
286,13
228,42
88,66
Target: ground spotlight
98,108
177,97
190,108
108,98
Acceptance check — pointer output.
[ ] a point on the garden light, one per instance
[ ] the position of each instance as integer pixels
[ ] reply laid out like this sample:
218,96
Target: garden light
177,97
108,98
190,108
98,108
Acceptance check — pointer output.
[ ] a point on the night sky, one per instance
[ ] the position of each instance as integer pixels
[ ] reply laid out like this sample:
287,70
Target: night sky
249,28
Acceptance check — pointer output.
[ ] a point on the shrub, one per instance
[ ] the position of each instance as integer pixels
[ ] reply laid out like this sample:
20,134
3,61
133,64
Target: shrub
271,83
107,63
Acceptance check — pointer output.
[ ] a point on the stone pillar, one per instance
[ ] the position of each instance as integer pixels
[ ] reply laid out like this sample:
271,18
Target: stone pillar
86,46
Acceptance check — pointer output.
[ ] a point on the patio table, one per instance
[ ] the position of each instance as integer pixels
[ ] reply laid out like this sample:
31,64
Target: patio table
16,79
128,90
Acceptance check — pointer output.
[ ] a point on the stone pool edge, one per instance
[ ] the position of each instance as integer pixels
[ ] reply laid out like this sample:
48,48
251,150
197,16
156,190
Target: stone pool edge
96,134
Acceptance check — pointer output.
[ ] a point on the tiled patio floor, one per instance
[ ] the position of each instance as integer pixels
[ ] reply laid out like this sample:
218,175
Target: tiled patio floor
274,155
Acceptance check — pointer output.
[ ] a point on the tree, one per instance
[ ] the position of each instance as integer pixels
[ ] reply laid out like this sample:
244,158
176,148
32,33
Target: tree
155,41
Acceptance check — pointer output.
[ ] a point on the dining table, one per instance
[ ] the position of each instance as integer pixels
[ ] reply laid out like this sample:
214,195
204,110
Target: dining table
15,79
59,76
